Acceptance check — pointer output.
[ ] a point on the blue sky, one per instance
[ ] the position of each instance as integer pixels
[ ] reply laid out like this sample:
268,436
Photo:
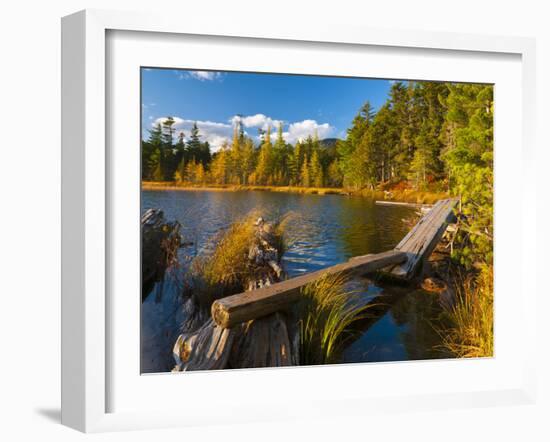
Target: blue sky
304,104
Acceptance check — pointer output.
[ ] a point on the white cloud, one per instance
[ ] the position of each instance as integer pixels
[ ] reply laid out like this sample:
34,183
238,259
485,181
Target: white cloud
259,121
211,131
203,75
302,129
218,133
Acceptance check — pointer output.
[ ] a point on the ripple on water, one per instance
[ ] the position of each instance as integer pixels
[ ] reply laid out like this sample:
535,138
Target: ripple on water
323,231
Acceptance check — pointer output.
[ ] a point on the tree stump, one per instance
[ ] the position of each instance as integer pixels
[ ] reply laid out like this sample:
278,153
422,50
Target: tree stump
160,241
264,342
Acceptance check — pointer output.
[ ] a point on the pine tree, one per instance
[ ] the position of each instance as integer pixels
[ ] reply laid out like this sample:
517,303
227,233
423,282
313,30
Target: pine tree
469,160
279,158
155,160
157,169
334,175
304,175
264,169
295,164
247,159
169,163
384,136
179,174
346,149
236,171
315,170
219,165
194,143
168,132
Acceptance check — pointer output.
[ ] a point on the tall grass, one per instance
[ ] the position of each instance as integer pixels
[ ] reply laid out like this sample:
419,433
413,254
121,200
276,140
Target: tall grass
470,334
228,269
326,313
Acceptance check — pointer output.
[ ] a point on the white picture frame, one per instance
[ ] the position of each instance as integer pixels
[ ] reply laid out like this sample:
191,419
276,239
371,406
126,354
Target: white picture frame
86,316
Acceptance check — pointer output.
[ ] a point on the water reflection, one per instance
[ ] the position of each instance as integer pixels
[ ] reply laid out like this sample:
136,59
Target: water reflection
323,230
403,327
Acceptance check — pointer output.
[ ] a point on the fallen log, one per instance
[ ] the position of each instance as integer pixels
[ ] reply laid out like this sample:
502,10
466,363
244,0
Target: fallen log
404,204
421,240
254,304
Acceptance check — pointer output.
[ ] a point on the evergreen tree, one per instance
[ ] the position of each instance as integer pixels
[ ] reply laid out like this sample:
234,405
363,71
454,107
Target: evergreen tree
236,157
469,159
179,174
315,170
157,171
264,169
168,132
194,143
279,158
304,175
219,166
247,159
155,159
169,163
347,148
334,175
385,136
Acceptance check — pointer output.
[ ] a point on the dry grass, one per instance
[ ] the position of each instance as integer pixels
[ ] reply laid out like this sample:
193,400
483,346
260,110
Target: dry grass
326,313
470,334
228,270
405,195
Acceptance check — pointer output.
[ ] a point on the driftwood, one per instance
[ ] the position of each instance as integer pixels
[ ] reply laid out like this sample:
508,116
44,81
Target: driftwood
206,349
257,303
421,240
160,241
402,204
260,343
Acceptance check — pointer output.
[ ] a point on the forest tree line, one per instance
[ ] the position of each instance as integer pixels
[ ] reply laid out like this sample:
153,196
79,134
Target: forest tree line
427,135
419,135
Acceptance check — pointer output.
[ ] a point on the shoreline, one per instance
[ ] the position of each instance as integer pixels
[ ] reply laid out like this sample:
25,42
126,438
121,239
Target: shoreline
404,196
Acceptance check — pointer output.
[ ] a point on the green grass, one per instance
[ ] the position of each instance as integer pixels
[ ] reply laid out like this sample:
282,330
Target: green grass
470,334
326,314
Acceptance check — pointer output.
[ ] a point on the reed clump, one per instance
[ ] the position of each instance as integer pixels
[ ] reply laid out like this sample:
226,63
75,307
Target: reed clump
470,334
326,314
230,267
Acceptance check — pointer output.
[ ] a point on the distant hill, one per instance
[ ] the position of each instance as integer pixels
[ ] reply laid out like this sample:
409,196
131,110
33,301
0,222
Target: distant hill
328,142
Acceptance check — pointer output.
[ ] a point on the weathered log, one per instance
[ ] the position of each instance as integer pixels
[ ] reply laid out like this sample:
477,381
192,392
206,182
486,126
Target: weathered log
261,302
206,349
404,204
264,342
421,240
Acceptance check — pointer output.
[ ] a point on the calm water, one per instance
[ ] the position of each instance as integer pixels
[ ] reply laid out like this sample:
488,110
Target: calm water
324,230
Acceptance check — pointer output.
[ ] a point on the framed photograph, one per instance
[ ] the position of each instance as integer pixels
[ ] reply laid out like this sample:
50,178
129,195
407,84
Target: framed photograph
265,223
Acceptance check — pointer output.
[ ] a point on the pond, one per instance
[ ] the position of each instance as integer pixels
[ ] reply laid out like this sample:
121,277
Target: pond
323,230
